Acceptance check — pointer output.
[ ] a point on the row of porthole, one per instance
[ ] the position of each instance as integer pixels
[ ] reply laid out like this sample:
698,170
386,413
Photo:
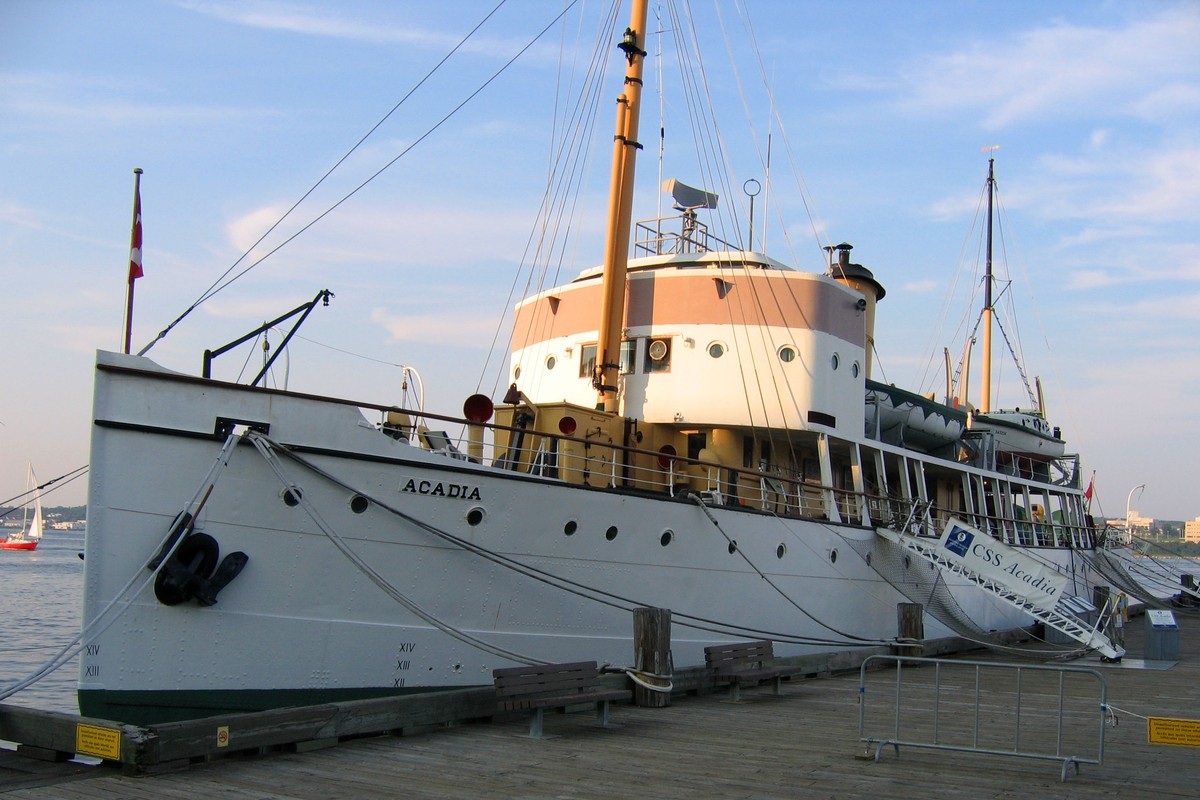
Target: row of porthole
787,354
475,516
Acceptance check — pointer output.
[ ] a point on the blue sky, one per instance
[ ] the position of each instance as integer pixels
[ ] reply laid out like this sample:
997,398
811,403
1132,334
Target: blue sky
234,110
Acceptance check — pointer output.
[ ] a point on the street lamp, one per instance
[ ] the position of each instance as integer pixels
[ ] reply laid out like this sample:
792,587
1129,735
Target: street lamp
1128,501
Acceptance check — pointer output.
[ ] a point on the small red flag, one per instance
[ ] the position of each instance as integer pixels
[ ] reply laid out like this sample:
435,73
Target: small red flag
1091,483
135,240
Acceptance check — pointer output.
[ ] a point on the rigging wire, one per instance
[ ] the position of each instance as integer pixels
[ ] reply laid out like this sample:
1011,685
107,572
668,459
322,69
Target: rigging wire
734,546
570,162
65,479
218,285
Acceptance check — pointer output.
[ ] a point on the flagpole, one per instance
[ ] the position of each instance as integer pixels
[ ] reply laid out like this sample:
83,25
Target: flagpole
135,254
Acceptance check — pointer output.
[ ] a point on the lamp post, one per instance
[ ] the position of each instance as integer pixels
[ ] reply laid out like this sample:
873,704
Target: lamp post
1128,501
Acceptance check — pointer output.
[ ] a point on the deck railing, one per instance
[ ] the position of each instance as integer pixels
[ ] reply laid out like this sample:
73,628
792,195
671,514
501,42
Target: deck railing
590,462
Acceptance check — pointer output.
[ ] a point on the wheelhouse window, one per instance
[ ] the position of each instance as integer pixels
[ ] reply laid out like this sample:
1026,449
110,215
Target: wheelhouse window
628,355
587,358
587,361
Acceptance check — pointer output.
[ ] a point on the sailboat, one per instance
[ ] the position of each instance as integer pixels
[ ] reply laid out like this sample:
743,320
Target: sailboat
31,530
288,548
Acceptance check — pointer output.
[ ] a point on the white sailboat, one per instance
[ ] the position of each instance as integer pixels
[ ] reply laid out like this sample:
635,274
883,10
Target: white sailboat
31,529
308,547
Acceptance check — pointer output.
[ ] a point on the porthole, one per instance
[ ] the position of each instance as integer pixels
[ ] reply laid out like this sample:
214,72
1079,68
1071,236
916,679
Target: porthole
787,353
290,498
570,528
550,362
781,551
475,516
611,533
716,349
854,369
666,538
835,361
359,504
833,556
732,546
907,562
517,372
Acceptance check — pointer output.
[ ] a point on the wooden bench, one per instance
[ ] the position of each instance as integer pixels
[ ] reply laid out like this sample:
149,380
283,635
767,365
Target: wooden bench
536,688
746,664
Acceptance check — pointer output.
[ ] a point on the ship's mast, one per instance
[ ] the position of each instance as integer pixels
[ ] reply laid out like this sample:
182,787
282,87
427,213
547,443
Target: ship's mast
985,390
620,211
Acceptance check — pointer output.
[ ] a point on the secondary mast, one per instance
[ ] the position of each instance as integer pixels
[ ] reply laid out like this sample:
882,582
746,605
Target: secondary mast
985,390
620,212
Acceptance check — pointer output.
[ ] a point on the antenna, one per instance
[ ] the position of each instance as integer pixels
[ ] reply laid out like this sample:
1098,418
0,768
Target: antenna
751,187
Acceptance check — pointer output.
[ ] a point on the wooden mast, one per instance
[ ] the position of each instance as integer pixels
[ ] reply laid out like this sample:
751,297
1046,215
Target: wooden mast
620,212
985,391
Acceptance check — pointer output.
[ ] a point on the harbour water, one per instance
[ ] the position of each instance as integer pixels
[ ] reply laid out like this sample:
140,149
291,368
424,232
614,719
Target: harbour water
40,598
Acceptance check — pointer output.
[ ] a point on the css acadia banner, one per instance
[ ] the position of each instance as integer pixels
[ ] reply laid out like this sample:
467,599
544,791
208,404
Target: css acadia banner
980,553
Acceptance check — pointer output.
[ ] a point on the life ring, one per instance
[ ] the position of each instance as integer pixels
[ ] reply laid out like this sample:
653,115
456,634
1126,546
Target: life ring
192,563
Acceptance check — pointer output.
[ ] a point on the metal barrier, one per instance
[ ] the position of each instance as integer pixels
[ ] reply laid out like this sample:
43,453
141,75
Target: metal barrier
1028,711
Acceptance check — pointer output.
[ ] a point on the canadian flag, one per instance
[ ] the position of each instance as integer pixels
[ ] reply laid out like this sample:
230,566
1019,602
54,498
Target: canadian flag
135,239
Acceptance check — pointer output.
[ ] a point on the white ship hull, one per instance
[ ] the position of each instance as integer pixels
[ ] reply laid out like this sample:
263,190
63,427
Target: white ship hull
301,622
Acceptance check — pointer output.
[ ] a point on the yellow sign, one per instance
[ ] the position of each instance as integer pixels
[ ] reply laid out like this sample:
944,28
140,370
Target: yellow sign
1164,730
100,742
223,736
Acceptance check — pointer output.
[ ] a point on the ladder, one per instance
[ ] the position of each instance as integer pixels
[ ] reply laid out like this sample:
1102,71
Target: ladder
1090,637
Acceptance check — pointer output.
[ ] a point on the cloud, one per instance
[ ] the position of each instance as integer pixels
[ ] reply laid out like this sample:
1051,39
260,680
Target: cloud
1166,187
337,23
1146,69
389,234
921,287
96,101
14,214
1091,279
463,327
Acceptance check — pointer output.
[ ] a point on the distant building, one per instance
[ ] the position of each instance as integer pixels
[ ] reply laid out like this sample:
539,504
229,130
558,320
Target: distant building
1191,530
1136,524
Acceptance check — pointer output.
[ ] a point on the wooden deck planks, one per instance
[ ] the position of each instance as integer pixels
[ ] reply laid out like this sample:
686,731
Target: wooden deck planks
803,744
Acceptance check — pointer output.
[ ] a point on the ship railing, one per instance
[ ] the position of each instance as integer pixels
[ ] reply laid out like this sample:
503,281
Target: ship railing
586,459
582,459
651,237
929,519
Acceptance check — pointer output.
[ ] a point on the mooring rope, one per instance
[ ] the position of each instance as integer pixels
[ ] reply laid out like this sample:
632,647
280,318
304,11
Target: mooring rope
93,628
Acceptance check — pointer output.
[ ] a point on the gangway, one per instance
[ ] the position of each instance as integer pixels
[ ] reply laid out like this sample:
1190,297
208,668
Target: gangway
1057,617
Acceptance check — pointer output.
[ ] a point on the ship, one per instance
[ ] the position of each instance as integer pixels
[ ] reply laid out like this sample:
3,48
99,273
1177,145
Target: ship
690,425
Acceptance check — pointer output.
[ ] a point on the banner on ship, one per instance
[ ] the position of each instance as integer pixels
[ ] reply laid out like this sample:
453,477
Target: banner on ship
982,554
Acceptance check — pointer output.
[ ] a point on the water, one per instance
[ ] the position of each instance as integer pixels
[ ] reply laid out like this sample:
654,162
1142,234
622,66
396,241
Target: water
40,597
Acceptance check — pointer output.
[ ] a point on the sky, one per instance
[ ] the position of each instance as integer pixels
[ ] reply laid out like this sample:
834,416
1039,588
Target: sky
877,115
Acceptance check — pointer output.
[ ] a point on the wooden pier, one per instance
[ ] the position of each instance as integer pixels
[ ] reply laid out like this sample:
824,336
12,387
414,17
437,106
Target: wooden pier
803,743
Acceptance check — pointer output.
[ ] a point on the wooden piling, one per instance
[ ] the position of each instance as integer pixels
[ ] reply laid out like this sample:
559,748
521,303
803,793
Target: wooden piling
910,628
652,652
